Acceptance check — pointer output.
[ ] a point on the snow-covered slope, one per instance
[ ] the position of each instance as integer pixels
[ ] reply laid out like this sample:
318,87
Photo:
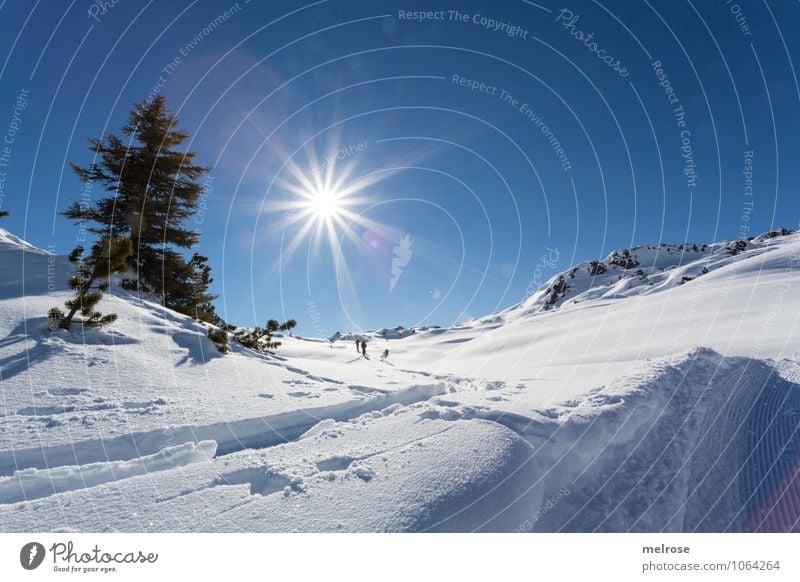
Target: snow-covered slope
654,396
640,271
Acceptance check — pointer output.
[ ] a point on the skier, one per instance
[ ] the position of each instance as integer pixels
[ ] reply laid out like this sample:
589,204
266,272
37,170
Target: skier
385,354
364,348
358,345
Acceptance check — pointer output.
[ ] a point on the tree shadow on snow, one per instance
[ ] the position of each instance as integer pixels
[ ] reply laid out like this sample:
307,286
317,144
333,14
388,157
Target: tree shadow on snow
39,342
200,349
33,351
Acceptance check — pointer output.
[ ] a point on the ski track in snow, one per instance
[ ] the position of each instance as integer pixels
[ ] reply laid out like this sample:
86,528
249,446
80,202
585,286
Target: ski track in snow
230,437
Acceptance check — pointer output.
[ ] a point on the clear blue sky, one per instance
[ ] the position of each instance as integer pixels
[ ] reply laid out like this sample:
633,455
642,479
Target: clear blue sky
503,134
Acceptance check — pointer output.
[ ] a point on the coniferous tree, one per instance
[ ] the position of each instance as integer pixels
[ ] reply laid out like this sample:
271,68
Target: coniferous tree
288,325
155,189
200,281
91,279
220,339
186,286
261,339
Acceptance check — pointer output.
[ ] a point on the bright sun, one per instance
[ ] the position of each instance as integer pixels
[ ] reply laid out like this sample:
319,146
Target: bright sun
323,203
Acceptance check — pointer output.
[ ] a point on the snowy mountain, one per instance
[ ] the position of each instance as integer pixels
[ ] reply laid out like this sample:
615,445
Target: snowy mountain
641,271
657,389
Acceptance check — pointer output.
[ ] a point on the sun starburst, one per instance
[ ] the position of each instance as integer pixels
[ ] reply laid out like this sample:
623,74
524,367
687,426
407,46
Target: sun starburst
322,203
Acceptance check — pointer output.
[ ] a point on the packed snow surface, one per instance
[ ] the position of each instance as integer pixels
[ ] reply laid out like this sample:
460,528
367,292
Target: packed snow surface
657,389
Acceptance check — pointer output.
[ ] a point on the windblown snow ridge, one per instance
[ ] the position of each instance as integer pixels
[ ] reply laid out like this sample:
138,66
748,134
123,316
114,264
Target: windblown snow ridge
700,442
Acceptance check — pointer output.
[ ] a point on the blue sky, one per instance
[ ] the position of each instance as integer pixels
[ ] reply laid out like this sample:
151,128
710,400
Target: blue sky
511,139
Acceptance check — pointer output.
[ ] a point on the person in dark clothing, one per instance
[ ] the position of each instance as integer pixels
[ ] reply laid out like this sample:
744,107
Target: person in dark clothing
358,345
364,348
385,354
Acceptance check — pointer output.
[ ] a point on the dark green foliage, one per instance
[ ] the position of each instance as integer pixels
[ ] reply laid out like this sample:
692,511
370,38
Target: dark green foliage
184,286
200,281
154,190
107,257
220,339
261,339
76,254
288,325
55,315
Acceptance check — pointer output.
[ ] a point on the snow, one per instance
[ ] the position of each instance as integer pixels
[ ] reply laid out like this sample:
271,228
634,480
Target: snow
34,483
656,396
